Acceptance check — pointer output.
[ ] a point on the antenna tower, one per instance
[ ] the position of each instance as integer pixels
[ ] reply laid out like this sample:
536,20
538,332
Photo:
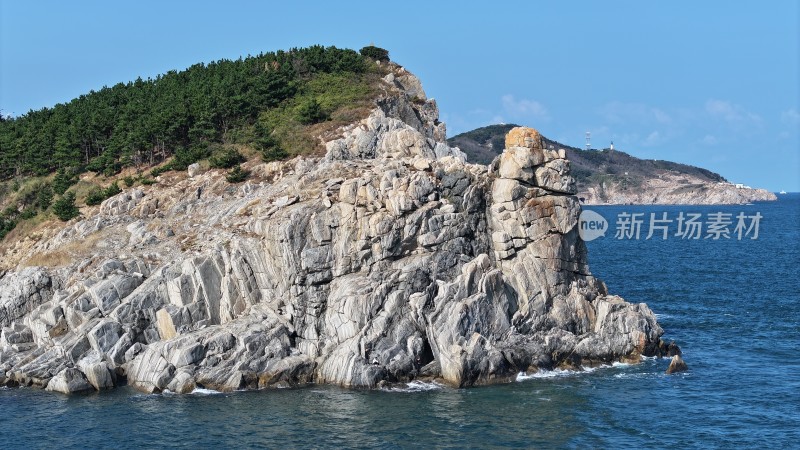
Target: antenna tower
588,140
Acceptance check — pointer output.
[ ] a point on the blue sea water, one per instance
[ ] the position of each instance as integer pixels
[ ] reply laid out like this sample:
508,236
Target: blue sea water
732,305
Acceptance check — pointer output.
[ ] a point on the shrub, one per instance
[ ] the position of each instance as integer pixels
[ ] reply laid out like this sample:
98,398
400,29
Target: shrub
129,181
112,190
28,213
186,156
147,181
112,169
263,137
6,225
64,208
376,53
94,197
97,195
310,111
274,154
269,146
225,158
237,175
159,170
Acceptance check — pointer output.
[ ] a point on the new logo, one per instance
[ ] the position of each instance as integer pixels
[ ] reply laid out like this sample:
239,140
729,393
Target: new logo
591,225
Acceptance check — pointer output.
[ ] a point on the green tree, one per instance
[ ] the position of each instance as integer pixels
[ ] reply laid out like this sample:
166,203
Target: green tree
266,143
94,197
310,112
63,180
64,208
376,53
225,158
112,190
44,197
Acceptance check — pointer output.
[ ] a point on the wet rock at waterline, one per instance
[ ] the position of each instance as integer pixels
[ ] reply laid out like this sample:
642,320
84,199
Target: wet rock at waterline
677,364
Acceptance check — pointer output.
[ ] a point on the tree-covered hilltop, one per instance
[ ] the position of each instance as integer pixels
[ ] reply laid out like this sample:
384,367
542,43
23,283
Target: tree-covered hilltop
276,103
145,121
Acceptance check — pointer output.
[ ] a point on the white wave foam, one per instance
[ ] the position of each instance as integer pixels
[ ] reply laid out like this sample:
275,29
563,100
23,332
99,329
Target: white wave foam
416,386
638,375
556,373
203,391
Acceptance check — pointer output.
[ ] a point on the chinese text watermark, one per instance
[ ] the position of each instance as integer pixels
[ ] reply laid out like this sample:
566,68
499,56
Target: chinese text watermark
714,226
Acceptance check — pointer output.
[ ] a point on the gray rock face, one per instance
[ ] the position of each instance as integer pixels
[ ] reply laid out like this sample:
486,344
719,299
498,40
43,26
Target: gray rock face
22,291
388,260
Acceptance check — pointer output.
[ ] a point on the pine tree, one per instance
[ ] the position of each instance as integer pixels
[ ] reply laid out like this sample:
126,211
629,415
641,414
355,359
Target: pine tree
64,208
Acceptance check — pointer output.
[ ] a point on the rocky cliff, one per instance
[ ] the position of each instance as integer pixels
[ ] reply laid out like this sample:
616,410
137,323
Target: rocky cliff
387,260
614,177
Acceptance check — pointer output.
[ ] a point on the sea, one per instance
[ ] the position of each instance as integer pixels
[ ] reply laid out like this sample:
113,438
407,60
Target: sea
731,303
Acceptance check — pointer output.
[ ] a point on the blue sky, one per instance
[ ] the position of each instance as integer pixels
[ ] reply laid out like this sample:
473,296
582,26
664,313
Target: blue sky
712,83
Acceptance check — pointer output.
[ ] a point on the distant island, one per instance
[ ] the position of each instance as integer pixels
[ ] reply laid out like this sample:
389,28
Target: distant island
609,176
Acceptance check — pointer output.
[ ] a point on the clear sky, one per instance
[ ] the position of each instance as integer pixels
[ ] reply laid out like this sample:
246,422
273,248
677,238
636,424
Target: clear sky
709,83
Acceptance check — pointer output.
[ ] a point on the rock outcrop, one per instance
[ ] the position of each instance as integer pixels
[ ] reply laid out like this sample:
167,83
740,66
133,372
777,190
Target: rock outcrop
674,189
387,260
676,365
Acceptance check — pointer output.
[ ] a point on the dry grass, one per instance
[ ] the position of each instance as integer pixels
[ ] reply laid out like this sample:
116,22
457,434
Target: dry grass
30,228
50,260
66,254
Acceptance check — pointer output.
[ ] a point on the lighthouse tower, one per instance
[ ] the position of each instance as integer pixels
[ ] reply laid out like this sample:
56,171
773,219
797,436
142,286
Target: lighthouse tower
612,146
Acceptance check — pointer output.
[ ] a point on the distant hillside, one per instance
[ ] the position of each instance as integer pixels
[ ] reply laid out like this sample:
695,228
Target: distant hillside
612,176
482,144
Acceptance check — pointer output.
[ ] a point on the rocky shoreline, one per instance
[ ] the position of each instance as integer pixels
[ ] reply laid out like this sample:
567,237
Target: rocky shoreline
388,260
675,189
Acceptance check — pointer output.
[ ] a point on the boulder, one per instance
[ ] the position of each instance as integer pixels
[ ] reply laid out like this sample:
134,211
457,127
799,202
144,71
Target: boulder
193,170
97,373
524,137
69,381
677,364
